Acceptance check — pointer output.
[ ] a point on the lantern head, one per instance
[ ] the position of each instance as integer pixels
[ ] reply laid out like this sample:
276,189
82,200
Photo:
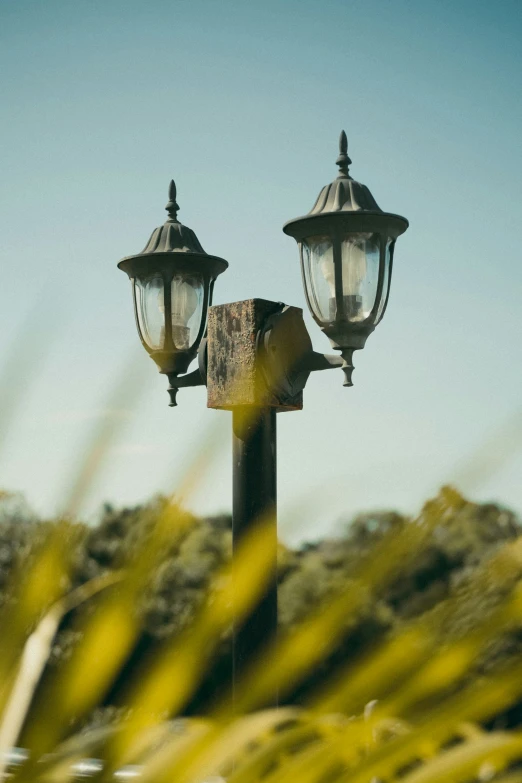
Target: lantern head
172,283
346,244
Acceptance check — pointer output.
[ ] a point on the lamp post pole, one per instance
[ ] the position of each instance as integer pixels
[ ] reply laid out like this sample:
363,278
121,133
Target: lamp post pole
240,379
254,501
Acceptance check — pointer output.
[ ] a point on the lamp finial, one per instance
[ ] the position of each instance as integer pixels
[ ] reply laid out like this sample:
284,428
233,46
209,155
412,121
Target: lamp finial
343,160
172,206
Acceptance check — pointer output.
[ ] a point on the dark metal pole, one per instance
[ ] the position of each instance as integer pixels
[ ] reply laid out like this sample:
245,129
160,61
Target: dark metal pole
255,500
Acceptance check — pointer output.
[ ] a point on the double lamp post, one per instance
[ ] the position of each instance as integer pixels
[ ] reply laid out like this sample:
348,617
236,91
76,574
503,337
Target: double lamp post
255,356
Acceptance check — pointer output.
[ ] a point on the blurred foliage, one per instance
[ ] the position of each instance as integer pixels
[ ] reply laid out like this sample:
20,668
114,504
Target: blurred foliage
397,658
456,577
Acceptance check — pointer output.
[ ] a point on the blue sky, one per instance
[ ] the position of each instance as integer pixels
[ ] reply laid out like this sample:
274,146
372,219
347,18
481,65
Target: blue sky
242,103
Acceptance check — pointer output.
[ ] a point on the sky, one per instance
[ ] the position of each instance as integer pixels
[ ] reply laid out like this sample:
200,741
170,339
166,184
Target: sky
103,102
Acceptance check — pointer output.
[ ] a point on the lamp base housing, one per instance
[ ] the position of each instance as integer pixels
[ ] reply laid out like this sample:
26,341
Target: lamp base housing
235,376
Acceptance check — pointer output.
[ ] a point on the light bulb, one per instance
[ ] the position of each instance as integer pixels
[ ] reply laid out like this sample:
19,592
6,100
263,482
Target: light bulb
354,249
185,301
354,269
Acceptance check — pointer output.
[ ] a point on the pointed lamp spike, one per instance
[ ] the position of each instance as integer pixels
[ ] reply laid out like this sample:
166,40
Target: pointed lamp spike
343,160
172,206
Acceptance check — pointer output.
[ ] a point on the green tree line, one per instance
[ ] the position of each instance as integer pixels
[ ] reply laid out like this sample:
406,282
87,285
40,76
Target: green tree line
458,558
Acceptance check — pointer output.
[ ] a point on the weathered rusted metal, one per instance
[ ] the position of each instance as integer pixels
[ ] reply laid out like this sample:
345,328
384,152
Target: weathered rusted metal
235,376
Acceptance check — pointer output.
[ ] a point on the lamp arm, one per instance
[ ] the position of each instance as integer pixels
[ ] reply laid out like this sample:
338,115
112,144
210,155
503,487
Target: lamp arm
323,361
286,353
197,377
315,361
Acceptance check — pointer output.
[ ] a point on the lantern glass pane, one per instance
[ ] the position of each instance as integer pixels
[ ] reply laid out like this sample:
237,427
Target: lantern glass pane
151,310
319,276
360,260
186,307
386,282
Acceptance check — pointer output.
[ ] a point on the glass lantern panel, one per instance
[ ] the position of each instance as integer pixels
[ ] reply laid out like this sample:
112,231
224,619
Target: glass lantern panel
150,308
319,276
386,282
360,259
186,306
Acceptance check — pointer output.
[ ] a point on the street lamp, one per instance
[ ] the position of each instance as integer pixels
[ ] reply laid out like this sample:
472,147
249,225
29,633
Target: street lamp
257,355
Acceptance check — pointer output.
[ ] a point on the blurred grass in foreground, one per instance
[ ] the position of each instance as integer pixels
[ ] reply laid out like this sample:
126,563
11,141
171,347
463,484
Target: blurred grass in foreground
417,706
